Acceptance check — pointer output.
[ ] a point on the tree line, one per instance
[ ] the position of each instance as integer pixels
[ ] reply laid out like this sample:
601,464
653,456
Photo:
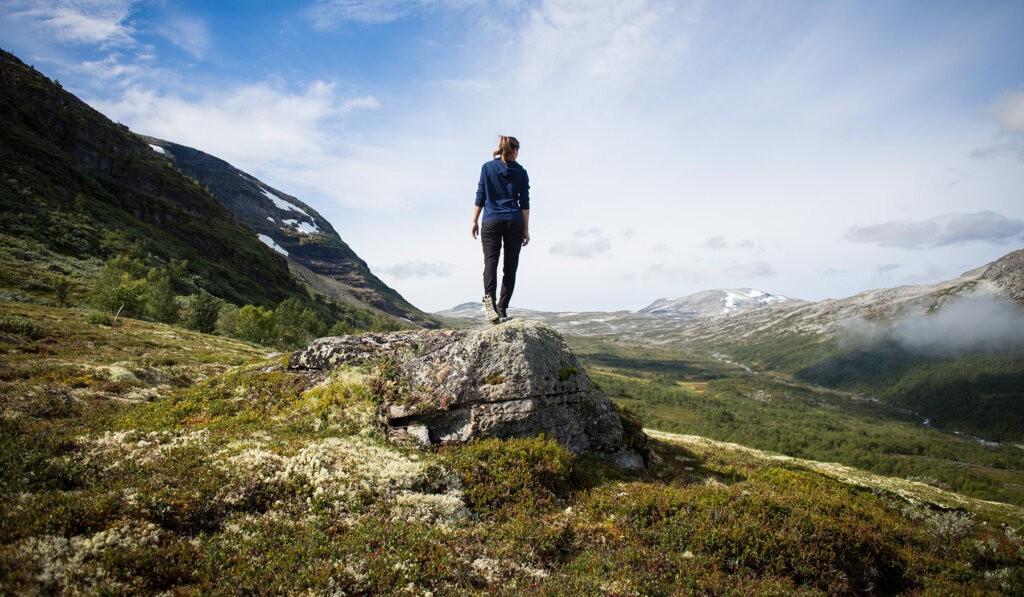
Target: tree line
128,287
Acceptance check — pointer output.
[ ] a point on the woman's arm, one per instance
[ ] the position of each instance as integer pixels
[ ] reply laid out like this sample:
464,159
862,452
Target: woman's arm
526,227
476,216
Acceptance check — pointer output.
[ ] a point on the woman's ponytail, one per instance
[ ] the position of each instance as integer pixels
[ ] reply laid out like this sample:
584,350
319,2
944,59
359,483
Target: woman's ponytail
507,147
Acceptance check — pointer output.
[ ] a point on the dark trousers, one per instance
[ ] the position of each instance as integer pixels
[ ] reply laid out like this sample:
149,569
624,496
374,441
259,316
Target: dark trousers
494,234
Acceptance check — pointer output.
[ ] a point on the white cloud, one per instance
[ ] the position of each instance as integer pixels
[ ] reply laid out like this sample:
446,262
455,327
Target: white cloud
570,42
884,270
79,21
419,269
716,242
1009,113
187,32
327,14
585,244
112,67
941,230
740,271
295,138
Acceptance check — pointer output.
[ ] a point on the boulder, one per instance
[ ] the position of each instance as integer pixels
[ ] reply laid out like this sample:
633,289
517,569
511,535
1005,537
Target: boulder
516,379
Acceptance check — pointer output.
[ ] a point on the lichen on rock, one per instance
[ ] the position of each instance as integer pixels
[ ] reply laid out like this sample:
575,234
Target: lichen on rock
516,379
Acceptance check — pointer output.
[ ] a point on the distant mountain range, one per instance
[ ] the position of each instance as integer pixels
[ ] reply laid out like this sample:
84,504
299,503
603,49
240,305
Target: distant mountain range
717,317
715,302
77,188
661,314
954,351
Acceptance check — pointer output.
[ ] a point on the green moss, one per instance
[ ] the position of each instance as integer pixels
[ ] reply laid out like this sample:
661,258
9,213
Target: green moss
493,379
566,373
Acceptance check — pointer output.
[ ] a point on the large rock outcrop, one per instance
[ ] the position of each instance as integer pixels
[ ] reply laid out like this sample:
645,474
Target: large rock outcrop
517,379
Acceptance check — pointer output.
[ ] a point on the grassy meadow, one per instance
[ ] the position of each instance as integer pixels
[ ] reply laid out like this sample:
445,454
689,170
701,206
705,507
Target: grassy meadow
141,458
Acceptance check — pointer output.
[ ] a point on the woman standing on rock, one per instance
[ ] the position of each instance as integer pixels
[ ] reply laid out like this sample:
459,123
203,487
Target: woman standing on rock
503,195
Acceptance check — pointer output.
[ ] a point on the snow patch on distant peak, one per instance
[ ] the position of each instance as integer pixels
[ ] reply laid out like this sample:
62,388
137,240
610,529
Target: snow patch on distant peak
303,227
272,221
715,302
270,243
282,204
158,149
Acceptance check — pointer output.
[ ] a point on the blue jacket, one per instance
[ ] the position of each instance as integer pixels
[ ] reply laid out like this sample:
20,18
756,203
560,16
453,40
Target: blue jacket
503,191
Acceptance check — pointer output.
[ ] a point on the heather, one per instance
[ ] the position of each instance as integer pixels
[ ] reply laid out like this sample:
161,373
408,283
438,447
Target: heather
142,458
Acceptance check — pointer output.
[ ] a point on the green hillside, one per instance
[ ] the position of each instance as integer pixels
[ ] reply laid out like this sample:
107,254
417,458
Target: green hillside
144,459
82,188
78,191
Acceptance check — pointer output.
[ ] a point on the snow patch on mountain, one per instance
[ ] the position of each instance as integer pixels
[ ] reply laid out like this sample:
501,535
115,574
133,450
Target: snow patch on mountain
270,243
282,204
157,149
303,227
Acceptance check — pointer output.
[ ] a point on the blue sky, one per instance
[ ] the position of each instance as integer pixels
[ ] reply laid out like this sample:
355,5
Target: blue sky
813,149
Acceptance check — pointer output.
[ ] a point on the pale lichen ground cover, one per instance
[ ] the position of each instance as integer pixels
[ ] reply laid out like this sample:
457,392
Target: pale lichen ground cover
131,468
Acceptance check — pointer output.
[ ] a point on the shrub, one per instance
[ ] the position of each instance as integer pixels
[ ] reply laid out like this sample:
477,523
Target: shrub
120,287
201,311
60,291
382,323
21,326
160,302
227,320
506,477
342,328
98,319
256,324
297,325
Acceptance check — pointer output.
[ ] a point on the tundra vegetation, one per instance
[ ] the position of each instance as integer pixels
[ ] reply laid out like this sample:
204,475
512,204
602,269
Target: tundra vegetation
143,458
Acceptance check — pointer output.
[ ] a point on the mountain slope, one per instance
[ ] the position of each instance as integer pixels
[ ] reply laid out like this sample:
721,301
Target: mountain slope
82,187
293,229
1002,277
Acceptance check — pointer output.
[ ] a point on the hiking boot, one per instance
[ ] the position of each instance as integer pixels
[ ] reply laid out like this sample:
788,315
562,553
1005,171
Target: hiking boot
502,315
492,315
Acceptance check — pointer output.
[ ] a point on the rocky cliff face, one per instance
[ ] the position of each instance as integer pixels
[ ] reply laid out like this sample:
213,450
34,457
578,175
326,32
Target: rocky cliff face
517,379
293,229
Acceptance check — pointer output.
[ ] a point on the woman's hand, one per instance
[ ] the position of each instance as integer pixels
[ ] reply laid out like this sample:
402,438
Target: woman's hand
526,237
476,218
